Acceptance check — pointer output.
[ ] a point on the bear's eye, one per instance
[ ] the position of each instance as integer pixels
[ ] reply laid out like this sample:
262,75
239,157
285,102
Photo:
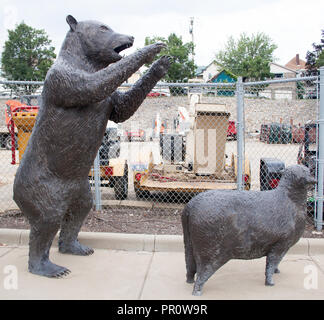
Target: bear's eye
104,28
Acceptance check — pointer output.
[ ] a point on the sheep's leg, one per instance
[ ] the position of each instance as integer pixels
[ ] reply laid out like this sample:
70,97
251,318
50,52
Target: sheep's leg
191,267
272,262
276,267
204,272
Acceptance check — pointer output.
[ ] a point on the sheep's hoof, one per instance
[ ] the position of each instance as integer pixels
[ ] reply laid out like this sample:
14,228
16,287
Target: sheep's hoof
197,293
269,283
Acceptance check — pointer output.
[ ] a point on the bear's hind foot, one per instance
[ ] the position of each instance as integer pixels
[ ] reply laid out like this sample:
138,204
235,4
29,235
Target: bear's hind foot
75,248
48,269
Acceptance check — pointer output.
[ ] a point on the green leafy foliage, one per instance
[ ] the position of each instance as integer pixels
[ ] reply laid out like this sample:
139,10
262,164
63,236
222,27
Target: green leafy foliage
248,56
183,66
315,58
27,56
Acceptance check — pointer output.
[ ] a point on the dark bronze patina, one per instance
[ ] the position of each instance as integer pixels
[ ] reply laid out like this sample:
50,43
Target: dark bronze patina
79,97
222,225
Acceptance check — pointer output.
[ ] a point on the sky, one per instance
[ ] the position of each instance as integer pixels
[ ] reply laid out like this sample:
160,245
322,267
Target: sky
293,25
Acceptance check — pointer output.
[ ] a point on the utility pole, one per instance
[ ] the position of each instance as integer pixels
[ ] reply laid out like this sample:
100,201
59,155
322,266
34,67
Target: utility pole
191,28
192,34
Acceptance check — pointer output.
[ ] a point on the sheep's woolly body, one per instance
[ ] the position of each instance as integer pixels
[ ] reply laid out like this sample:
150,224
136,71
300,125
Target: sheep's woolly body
223,225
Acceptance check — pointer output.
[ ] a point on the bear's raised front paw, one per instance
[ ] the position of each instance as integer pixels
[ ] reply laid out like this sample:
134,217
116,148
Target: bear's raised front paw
162,66
165,61
157,47
153,50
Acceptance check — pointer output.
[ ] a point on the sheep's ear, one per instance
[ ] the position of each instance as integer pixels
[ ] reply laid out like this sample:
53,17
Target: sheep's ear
71,22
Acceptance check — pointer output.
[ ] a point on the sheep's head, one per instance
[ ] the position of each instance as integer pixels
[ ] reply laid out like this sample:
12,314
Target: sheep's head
298,176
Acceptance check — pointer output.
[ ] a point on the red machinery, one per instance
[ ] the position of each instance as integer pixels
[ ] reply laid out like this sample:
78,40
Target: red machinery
13,108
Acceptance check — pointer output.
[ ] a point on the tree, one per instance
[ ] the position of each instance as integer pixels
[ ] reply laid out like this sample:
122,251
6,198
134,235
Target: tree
27,56
248,57
183,66
315,58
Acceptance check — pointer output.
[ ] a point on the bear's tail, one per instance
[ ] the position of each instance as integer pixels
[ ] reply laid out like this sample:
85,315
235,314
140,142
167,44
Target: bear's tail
189,256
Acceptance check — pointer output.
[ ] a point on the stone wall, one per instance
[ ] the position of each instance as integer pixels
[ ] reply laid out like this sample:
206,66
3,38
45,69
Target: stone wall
257,111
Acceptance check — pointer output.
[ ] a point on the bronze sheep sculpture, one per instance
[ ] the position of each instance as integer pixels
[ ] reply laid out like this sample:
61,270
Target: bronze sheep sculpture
220,225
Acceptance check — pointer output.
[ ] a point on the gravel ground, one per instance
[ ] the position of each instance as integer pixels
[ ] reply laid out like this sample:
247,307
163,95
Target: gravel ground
131,220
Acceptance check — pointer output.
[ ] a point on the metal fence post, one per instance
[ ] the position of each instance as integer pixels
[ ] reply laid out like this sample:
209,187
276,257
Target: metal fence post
320,176
240,132
96,173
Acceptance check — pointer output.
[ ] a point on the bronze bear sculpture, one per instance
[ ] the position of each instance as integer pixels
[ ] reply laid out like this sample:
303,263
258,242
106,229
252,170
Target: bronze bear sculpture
220,225
79,97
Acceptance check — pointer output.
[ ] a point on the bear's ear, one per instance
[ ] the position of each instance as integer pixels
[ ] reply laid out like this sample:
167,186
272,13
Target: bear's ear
71,22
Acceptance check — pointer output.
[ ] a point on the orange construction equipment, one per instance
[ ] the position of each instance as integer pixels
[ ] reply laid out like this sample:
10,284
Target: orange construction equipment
24,122
22,117
12,104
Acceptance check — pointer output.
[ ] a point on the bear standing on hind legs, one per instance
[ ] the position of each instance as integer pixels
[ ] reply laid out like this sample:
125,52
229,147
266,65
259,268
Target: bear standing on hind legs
79,97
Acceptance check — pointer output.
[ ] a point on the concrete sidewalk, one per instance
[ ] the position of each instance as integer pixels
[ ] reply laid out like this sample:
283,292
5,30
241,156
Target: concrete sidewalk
148,267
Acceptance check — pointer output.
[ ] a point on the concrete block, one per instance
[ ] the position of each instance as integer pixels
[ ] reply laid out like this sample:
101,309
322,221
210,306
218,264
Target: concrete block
138,204
158,205
171,243
117,241
110,203
10,236
316,246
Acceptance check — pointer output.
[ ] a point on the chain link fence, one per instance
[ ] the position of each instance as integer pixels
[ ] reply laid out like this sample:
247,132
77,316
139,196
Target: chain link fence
184,139
281,129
